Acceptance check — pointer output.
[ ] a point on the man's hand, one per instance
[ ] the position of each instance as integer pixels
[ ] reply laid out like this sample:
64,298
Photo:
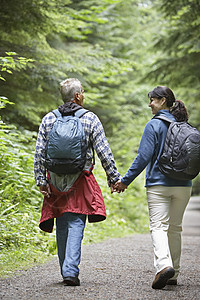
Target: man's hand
112,188
119,187
45,190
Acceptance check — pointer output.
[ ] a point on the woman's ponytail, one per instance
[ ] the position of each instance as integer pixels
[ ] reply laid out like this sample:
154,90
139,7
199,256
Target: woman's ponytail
179,111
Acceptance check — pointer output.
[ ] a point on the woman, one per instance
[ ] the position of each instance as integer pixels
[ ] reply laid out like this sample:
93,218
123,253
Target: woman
167,198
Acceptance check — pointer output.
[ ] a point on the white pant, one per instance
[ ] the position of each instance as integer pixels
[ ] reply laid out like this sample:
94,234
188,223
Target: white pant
166,208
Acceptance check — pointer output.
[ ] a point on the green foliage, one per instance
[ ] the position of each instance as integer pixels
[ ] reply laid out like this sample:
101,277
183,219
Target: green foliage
19,197
12,62
178,58
118,49
57,38
20,201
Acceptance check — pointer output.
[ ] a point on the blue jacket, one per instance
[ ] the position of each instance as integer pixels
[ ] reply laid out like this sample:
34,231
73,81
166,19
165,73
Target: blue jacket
149,152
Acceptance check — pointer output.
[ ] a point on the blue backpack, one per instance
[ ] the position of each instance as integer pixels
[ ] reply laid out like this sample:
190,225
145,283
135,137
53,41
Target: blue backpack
67,146
180,158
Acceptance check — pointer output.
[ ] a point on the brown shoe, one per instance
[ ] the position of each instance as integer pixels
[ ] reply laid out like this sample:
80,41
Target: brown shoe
162,278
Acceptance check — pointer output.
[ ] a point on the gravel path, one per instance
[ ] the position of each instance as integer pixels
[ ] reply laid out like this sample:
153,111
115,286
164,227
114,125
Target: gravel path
113,270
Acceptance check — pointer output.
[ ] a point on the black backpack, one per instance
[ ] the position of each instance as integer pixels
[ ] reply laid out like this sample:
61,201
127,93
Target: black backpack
67,147
180,158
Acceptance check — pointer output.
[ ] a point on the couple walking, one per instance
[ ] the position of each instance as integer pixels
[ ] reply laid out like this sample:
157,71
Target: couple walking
69,199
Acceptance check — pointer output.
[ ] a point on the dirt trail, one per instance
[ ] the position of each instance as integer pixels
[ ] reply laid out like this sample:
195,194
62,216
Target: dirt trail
115,269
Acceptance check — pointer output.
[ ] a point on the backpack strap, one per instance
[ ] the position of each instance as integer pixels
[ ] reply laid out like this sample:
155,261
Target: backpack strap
164,119
56,113
79,113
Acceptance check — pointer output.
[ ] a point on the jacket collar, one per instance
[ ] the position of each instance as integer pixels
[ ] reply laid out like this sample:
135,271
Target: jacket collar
69,108
165,112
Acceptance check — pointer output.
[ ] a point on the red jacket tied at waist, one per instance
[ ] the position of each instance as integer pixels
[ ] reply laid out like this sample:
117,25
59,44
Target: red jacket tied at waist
84,197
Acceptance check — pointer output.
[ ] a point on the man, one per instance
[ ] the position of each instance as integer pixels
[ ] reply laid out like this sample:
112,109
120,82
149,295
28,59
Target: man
70,198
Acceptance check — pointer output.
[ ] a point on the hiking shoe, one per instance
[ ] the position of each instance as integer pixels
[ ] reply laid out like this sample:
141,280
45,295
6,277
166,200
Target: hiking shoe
162,278
71,281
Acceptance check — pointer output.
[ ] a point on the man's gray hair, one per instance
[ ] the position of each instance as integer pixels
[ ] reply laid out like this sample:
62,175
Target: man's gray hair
69,87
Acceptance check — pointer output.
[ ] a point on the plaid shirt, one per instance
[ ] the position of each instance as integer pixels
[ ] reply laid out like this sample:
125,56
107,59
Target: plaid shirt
94,134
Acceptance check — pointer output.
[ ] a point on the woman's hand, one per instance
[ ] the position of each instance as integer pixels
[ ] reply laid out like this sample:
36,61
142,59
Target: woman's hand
119,187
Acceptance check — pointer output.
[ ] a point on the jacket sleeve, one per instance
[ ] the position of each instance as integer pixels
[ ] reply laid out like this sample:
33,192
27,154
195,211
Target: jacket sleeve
145,153
103,150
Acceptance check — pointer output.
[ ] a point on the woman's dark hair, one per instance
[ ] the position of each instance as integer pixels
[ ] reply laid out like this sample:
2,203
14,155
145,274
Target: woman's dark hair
163,91
177,107
179,111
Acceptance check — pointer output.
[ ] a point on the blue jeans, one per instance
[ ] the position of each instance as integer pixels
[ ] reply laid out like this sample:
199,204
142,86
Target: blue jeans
69,235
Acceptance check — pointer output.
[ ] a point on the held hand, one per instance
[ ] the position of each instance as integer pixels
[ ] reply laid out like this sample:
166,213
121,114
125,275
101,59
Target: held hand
45,190
119,186
112,188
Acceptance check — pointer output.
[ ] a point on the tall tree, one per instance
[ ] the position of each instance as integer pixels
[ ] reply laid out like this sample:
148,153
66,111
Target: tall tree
178,44
54,34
